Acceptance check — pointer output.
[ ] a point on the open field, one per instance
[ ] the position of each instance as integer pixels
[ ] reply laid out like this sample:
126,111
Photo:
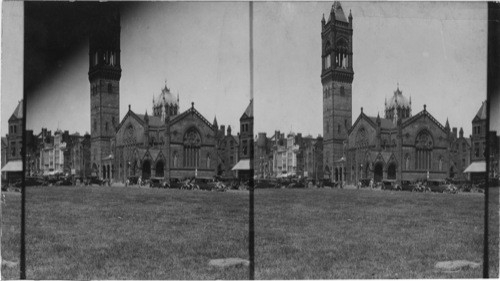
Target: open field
493,224
11,234
140,233
133,233
358,234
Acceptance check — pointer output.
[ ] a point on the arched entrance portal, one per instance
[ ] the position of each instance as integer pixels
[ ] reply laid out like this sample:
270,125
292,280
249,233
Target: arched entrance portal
159,169
452,172
391,171
146,170
378,172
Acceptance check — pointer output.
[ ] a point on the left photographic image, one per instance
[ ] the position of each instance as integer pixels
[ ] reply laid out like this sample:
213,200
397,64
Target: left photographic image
138,132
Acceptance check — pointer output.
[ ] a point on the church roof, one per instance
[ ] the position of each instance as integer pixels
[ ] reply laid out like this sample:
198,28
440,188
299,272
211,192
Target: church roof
339,12
193,111
398,100
384,123
18,112
165,97
412,119
481,114
249,111
154,121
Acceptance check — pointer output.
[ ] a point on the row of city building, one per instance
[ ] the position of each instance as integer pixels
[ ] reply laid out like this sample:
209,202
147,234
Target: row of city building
374,147
216,152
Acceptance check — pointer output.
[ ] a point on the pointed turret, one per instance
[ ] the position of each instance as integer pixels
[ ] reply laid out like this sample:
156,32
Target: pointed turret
146,117
350,19
447,125
323,22
215,123
461,133
378,120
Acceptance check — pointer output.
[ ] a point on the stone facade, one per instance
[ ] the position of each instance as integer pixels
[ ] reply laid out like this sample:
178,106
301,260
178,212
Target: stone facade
179,146
228,151
336,77
414,148
104,77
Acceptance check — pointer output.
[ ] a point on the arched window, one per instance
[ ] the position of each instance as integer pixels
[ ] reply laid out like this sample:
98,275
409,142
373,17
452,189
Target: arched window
361,138
106,126
192,143
440,163
423,150
342,91
208,160
110,88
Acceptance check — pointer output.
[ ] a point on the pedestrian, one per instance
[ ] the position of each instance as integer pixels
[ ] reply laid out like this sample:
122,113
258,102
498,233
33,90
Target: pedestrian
371,183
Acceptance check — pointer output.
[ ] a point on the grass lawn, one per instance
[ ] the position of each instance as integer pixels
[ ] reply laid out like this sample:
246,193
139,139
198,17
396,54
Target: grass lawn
493,227
134,233
11,234
358,234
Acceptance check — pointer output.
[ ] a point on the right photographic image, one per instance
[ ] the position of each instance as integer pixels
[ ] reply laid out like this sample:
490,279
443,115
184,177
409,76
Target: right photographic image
372,142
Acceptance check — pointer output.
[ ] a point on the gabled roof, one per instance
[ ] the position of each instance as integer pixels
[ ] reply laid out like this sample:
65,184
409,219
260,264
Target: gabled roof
191,110
18,112
424,112
154,121
384,123
249,111
481,114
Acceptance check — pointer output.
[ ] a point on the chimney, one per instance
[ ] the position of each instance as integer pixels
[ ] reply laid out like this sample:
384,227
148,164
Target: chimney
455,132
223,129
229,130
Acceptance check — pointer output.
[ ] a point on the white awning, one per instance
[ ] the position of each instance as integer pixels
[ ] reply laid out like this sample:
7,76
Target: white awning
13,166
476,167
243,164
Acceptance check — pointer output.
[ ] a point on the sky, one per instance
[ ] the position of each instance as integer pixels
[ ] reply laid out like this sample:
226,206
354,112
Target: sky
12,60
436,51
199,49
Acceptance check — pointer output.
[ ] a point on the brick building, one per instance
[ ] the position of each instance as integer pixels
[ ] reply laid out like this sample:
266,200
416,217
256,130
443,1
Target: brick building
14,165
397,146
228,151
336,78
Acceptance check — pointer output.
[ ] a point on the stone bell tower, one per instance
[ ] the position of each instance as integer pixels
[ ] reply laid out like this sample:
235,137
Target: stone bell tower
104,76
336,77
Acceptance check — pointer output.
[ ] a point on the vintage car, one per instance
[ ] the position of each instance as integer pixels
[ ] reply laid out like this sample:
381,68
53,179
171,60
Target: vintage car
158,182
390,185
437,185
95,180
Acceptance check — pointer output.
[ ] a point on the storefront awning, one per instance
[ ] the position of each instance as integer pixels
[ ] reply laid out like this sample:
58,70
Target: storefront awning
476,167
13,166
243,164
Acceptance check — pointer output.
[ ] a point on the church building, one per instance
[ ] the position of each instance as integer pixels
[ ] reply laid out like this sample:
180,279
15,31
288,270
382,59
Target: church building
165,143
396,146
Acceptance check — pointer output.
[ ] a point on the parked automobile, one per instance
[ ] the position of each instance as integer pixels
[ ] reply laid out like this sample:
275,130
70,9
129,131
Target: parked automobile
407,185
95,180
158,183
133,180
64,181
266,183
419,187
390,185
436,185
